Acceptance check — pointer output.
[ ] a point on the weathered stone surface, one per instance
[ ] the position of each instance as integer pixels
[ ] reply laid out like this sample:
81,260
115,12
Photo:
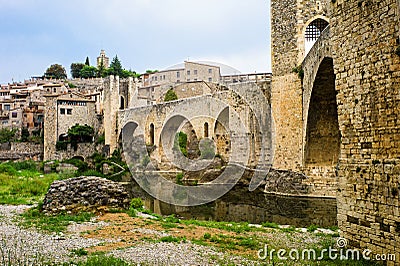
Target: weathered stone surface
92,194
21,151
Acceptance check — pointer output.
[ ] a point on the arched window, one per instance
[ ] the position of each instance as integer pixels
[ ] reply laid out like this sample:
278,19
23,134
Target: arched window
122,103
313,31
206,130
151,134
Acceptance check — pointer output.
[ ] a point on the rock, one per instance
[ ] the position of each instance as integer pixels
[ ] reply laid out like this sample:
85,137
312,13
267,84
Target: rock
92,194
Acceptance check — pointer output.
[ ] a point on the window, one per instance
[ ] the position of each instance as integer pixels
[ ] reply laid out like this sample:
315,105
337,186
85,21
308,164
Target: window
195,71
164,77
209,79
209,70
206,130
7,107
313,31
14,115
178,75
152,134
188,72
69,111
62,111
54,90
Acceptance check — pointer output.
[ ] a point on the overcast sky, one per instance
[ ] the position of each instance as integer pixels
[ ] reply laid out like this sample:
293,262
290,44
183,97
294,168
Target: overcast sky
145,34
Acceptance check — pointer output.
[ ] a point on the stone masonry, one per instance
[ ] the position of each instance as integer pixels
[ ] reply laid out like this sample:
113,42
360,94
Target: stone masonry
338,115
365,38
84,194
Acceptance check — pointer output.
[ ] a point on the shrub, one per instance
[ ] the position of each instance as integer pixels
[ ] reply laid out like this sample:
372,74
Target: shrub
79,133
82,166
7,135
170,96
179,178
181,143
61,145
299,70
207,236
136,203
24,135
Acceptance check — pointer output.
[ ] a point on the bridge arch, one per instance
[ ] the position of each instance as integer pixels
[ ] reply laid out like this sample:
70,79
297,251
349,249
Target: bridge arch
321,135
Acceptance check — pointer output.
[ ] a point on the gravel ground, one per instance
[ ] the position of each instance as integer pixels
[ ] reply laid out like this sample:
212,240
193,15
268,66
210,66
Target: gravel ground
29,247
22,246
183,254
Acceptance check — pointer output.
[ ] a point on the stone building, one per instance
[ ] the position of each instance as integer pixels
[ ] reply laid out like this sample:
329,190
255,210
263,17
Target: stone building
61,113
190,71
103,60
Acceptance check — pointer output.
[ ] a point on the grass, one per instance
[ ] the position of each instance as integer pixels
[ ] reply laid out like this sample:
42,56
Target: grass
99,260
80,252
34,218
23,186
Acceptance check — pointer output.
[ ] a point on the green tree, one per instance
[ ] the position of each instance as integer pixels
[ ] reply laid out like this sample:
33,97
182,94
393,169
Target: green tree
101,69
115,67
56,71
76,69
149,71
170,96
87,61
25,134
7,135
88,72
79,133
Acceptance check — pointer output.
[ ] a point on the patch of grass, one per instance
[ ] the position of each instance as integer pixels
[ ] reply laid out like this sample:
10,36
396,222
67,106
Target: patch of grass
22,183
207,236
101,260
290,229
270,225
169,225
80,252
171,219
34,218
171,239
312,228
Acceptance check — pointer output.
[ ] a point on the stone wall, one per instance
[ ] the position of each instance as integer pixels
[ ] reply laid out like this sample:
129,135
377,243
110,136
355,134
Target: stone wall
365,38
240,205
79,194
289,19
84,150
21,151
286,102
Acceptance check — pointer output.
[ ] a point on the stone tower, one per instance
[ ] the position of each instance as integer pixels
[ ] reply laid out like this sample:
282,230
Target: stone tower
118,95
294,23
103,60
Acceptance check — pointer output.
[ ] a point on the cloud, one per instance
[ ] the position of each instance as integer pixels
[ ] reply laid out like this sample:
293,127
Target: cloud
144,33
